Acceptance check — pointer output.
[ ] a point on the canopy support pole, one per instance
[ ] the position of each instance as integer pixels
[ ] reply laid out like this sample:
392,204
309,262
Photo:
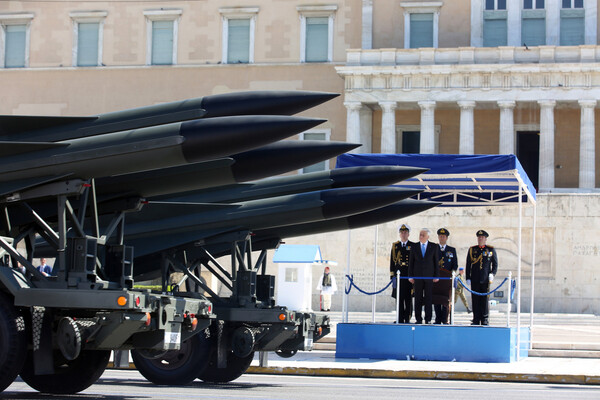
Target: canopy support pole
345,302
532,277
374,297
519,275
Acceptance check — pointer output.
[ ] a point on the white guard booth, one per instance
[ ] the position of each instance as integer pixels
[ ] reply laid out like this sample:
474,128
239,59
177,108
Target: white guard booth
294,282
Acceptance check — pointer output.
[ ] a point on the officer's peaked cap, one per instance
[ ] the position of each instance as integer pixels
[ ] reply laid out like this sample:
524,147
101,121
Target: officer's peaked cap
404,227
443,231
481,232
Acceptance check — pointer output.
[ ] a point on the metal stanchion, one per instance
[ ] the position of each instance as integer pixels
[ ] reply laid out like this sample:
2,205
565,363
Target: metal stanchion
263,359
452,302
398,297
508,304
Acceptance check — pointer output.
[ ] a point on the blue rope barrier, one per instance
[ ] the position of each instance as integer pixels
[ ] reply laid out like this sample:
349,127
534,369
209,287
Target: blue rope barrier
481,294
351,283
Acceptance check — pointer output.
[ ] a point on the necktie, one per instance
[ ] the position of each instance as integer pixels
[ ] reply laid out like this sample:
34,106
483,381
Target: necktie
423,249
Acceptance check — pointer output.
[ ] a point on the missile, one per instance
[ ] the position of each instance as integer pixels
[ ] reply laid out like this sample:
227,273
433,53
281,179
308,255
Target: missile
59,128
147,265
145,149
272,159
155,229
401,209
378,175
275,158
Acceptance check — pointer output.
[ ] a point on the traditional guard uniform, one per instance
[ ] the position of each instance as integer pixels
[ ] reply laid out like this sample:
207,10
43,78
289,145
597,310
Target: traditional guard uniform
399,262
482,265
448,262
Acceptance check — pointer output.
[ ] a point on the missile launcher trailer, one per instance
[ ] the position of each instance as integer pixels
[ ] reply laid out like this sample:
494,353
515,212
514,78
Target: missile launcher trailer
139,194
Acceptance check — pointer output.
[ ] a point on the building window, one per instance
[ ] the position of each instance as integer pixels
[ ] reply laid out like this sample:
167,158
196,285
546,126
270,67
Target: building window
533,23
572,23
14,40
421,24
491,5
572,3
87,37
316,33
162,27
408,139
238,34
316,134
494,28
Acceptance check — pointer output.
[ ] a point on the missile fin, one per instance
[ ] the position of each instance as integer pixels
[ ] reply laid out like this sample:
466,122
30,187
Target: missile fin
22,184
12,124
13,148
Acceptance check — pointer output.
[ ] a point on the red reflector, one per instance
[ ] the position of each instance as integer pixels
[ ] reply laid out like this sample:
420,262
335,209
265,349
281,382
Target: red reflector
148,319
194,323
86,185
137,301
210,308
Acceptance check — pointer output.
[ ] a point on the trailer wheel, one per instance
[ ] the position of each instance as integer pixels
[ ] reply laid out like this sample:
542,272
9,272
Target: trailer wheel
69,377
13,342
236,367
175,367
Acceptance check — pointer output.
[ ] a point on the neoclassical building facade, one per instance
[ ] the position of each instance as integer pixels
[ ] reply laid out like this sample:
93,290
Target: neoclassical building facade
429,76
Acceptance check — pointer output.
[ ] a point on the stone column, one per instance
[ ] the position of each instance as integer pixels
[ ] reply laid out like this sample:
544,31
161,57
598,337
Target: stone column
427,126
353,123
388,127
466,142
366,129
507,127
546,180
367,24
587,154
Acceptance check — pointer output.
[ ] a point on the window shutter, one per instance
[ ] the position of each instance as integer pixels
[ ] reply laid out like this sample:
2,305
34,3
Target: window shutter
15,46
87,44
421,30
533,31
572,27
321,166
494,32
162,42
317,39
238,41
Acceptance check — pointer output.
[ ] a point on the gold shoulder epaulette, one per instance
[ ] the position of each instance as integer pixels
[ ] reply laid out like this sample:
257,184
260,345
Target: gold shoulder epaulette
491,247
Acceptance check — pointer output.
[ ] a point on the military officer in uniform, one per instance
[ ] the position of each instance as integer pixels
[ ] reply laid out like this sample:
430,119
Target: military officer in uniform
482,265
399,262
449,263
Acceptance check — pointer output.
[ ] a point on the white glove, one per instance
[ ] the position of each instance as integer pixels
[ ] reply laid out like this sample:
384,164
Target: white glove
491,277
469,282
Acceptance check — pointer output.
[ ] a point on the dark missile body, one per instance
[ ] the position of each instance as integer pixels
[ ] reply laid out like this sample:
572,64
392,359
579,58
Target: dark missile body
272,159
56,129
147,148
337,178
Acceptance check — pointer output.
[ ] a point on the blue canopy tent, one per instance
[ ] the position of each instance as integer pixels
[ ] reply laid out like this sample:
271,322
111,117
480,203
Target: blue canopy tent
464,180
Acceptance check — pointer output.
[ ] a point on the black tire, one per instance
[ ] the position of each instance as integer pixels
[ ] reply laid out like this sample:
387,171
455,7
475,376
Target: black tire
236,367
176,367
70,376
13,342
286,353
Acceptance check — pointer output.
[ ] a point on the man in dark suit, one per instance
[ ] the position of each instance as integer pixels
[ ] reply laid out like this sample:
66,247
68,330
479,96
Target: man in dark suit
424,263
399,262
482,265
449,263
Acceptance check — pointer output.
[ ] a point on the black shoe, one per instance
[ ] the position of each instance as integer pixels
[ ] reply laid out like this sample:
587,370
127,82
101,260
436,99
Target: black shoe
469,311
419,322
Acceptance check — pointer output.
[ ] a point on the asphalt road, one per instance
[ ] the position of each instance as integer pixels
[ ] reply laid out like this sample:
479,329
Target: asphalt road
130,385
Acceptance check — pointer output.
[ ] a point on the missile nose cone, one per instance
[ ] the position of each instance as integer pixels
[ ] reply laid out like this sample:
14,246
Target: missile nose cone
377,175
263,103
285,156
349,201
401,209
217,137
